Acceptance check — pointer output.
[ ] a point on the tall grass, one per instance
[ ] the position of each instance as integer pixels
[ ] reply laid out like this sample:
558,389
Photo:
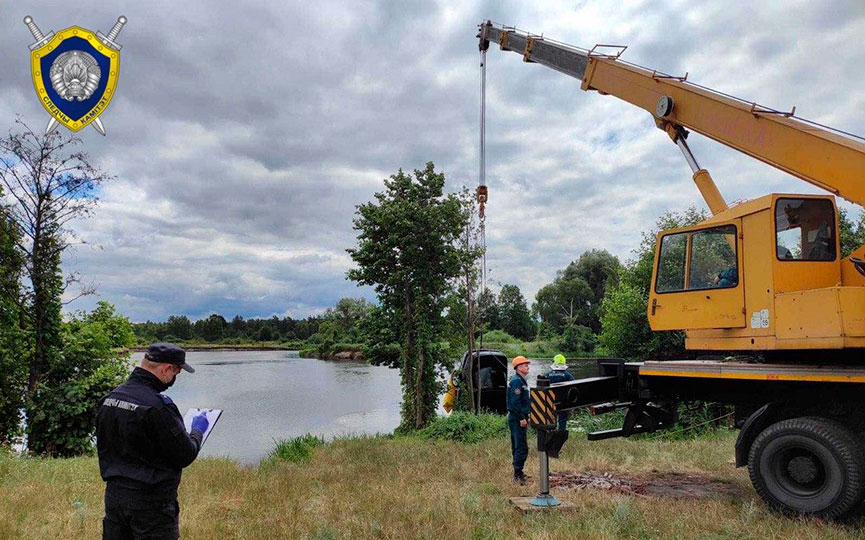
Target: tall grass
465,427
412,488
297,449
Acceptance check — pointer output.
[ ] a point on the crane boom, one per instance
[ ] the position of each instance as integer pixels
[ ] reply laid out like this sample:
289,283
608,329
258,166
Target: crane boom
826,159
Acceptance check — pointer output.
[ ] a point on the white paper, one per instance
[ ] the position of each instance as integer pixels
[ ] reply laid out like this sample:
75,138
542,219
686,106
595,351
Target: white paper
212,416
764,318
756,321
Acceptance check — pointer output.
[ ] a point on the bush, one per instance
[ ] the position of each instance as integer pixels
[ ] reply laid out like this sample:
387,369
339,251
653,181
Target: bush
499,336
578,339
297,449
465,427
63,408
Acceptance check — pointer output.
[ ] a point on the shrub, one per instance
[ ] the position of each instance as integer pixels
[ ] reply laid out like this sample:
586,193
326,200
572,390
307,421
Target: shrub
297,449
499,336
578,339
465,427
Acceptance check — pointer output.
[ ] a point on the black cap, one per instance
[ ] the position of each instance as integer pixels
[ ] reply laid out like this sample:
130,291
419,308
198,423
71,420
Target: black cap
168,353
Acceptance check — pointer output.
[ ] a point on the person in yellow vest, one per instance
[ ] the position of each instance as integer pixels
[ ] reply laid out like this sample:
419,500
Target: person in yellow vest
559,373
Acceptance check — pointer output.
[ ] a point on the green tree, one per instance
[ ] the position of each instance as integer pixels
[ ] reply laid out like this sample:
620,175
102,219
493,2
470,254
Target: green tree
179,326
488,311
210,329
49,183
92,361
516,319
265,333
852,232
578,339
625,329
346,316
567,301
407,249
13,345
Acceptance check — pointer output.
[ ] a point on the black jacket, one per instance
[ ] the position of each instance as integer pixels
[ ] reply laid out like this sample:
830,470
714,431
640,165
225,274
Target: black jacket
140,438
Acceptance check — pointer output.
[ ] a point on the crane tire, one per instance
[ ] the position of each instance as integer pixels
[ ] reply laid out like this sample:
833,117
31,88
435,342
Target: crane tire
809,465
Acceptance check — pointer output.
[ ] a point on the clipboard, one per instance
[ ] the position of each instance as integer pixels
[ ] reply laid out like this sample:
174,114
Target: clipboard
212,416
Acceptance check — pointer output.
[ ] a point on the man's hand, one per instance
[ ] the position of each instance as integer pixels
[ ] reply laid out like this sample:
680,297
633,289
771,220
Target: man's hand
200,422
524,423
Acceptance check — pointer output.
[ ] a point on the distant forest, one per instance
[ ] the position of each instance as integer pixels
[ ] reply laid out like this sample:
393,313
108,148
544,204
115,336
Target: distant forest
216,329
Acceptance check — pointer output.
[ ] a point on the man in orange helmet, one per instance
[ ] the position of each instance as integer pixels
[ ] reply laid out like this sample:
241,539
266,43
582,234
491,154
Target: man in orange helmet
518,416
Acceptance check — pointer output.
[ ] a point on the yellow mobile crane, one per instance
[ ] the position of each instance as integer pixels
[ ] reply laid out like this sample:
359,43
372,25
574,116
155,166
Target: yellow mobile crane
763,281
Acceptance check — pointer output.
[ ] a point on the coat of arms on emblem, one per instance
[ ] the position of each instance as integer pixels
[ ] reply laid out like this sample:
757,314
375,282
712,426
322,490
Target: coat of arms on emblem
75,73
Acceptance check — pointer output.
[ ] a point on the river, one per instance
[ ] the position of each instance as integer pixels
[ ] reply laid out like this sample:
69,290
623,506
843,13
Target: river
272,395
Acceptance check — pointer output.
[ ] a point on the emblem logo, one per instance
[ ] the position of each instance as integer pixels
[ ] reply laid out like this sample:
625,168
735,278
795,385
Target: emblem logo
75,73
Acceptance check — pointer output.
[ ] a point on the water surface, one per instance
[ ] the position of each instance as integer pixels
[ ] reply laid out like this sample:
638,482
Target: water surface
271,395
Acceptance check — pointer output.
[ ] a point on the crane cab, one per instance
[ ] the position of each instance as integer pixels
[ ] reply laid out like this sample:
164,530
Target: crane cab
763,275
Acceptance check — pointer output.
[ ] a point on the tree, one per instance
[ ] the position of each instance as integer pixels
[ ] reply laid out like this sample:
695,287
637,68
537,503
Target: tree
567,301
516,319
49,183
346,315
407,250
600,270
179,327
488,312
852,233
211,328
575,296
13,373
91,363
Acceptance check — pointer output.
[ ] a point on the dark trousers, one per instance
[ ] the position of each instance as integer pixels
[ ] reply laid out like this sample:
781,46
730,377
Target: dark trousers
563,420
139,518
519,445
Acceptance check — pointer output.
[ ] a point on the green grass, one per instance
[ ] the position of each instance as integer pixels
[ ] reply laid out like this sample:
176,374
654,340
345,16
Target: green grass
296,450
414,488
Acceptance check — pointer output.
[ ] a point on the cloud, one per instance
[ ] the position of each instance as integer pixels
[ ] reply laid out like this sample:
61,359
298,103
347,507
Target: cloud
244,134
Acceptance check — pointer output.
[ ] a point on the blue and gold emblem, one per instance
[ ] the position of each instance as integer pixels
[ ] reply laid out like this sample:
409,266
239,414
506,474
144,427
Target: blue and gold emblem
75,73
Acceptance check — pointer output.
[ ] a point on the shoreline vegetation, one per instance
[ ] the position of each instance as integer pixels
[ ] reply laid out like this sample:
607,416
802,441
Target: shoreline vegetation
450,480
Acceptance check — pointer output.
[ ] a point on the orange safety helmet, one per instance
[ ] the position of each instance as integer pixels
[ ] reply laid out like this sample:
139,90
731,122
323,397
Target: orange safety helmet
519,360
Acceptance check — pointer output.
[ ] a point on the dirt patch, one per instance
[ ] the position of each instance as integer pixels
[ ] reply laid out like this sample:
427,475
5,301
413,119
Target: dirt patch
673,485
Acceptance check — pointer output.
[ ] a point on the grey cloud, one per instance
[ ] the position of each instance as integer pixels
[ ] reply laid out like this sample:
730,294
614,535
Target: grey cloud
243,134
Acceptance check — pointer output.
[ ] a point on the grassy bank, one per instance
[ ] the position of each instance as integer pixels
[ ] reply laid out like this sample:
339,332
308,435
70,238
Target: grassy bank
411,487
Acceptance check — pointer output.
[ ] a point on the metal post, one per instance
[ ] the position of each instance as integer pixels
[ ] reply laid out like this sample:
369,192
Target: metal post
544,498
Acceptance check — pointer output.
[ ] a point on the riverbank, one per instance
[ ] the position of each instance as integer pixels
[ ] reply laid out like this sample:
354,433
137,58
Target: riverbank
228,347
409,487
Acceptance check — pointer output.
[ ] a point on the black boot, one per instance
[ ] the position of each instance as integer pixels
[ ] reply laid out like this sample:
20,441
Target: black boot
519,477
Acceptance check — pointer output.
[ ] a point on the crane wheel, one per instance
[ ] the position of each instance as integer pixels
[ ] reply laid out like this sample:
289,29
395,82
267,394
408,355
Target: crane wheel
809,465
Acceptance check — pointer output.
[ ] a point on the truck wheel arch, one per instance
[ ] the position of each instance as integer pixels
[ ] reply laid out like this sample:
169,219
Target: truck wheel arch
756,423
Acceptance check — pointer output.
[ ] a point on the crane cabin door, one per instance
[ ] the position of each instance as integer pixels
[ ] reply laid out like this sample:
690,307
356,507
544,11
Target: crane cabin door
696,280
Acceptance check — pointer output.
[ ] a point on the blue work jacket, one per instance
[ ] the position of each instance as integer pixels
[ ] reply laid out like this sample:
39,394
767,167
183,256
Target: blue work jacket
518,402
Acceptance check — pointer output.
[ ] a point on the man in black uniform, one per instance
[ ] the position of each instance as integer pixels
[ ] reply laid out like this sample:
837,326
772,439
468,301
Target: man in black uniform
143,446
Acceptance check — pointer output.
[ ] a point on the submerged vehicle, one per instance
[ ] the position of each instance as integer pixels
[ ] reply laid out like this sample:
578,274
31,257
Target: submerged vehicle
485,379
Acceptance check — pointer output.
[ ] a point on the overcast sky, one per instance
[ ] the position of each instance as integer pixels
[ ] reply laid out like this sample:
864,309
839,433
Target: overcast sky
243,134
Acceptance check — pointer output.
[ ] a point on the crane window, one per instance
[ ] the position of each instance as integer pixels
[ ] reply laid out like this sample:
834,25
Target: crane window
698,260
805,230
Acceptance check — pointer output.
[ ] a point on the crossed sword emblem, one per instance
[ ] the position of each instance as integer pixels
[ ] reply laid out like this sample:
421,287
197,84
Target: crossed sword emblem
42,39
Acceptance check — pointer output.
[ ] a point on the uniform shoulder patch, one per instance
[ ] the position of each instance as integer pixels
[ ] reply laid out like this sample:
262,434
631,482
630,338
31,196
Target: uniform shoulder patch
517,390
166,399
